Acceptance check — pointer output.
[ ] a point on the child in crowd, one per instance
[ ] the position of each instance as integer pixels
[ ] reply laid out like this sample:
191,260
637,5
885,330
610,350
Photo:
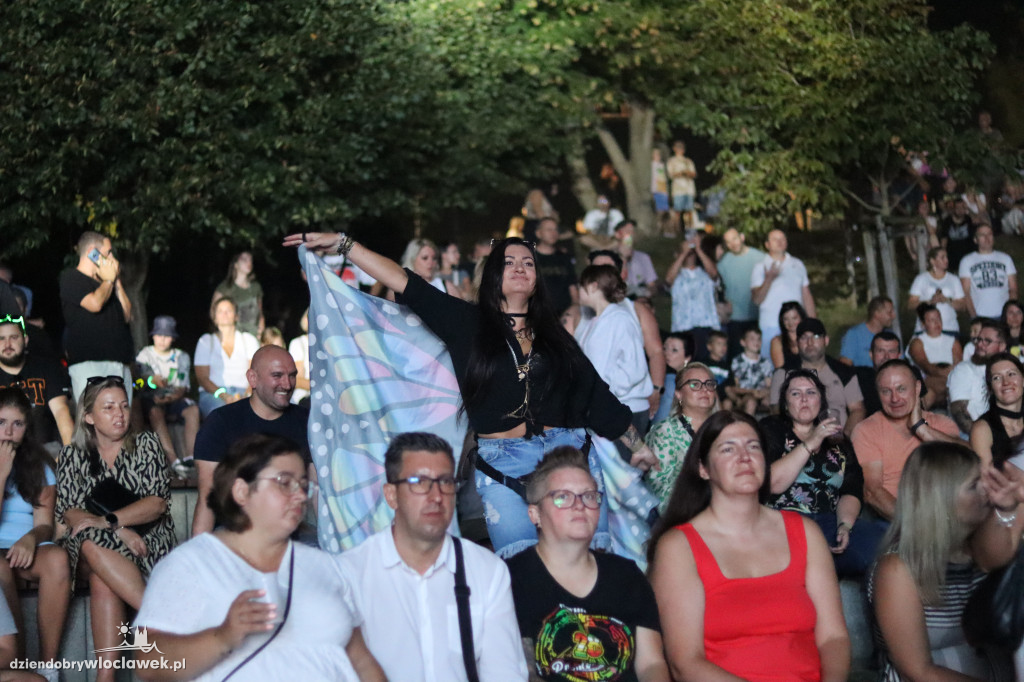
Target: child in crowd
751,375
165,384
718,348
272,336
975,330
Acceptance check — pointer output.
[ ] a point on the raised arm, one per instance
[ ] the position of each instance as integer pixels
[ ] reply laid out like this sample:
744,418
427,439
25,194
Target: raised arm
383,269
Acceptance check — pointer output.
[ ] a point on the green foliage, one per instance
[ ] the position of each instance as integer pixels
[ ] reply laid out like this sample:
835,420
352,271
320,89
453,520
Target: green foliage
810,98
235,121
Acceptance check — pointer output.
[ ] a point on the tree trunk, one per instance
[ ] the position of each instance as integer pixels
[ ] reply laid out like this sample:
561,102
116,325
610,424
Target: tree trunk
635,170
887,249
871,261
134,275
582,186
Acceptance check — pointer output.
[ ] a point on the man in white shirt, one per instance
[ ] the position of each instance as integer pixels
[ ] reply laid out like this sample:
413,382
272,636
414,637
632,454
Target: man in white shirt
988,276
601,221
777,279
403,578
968,393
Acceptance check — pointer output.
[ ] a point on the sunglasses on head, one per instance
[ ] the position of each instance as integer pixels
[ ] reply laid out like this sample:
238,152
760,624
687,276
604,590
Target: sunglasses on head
528,244
92,381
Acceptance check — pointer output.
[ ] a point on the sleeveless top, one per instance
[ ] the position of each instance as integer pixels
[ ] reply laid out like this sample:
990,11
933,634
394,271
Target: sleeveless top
1002,447
761,629
938,349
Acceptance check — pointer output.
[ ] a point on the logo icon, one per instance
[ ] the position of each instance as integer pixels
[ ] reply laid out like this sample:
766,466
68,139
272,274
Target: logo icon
141,640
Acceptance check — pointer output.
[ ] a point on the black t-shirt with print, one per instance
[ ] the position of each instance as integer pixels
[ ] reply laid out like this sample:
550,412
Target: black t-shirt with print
589,638
42,380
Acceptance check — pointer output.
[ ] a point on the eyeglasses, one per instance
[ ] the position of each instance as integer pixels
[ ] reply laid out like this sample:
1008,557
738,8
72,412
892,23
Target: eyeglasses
978,340
565,499
92,381
8,319
807,336
421,485
695,385
530,245
288,484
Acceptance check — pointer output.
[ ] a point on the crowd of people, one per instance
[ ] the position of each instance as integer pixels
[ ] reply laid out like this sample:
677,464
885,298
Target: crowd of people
778,469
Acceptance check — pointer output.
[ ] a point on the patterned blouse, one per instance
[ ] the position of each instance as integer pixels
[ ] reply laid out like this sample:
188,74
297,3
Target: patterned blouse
830,473
143,472
669,440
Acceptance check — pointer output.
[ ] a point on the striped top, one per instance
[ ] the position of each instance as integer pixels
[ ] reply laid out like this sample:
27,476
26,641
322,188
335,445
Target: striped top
946,637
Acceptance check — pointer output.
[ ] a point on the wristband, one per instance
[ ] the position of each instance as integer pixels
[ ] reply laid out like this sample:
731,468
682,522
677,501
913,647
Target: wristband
219,392
918,424
150,382
1006,521
659,389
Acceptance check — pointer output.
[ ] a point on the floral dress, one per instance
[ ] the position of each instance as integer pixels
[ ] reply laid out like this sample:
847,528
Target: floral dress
829,474
669,440
143,471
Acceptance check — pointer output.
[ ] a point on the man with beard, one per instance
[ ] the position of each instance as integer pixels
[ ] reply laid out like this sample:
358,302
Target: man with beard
968,393
44,381
268,410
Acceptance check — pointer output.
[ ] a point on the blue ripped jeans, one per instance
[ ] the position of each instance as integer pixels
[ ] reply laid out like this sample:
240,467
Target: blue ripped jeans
508,524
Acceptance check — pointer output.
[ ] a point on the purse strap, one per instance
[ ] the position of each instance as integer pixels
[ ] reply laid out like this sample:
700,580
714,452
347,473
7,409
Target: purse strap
284,619
465,618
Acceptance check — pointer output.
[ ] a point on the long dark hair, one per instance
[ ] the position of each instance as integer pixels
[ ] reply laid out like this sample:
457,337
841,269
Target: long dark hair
692,494
551,340
31,458
786,307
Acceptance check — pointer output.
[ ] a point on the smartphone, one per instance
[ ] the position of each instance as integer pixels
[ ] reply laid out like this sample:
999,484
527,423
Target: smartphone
691,237
95,256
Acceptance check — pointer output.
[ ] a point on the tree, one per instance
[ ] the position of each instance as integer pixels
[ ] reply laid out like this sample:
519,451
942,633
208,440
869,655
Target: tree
233,122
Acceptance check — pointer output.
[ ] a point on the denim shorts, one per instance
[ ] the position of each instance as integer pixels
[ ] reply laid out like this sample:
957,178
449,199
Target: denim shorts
682,202
508,524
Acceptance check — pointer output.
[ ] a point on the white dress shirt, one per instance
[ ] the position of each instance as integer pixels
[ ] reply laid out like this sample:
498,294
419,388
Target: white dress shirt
410,621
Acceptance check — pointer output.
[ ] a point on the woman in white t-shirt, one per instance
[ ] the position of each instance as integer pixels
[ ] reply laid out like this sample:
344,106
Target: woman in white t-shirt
935,353
940,288
222,358
245,601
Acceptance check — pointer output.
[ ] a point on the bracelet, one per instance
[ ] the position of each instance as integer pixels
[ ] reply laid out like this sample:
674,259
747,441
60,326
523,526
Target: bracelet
1005,521
659,389
219,392
150,382
843,524
343,245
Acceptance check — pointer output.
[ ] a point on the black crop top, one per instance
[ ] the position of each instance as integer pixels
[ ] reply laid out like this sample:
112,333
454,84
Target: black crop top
583,401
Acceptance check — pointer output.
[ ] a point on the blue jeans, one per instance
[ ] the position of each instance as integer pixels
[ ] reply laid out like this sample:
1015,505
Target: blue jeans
508,524
864,540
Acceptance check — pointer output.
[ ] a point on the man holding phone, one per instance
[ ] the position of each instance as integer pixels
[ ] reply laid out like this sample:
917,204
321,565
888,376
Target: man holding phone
96,313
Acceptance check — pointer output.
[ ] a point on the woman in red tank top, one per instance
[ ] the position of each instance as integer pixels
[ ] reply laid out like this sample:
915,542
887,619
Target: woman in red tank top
744,591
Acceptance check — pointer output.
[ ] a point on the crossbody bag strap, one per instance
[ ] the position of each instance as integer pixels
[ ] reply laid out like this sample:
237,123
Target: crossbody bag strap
284,619
465,618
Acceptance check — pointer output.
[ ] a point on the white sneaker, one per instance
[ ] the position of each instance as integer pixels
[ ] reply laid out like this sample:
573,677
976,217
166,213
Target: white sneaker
180,470
50,674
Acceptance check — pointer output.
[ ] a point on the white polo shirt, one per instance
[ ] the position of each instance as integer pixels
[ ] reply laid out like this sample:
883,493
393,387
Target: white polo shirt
410,621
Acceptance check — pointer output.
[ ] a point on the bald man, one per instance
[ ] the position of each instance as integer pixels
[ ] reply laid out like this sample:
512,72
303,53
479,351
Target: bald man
268,410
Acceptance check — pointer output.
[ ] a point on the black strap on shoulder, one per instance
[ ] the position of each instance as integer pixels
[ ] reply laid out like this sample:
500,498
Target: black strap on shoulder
465,618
